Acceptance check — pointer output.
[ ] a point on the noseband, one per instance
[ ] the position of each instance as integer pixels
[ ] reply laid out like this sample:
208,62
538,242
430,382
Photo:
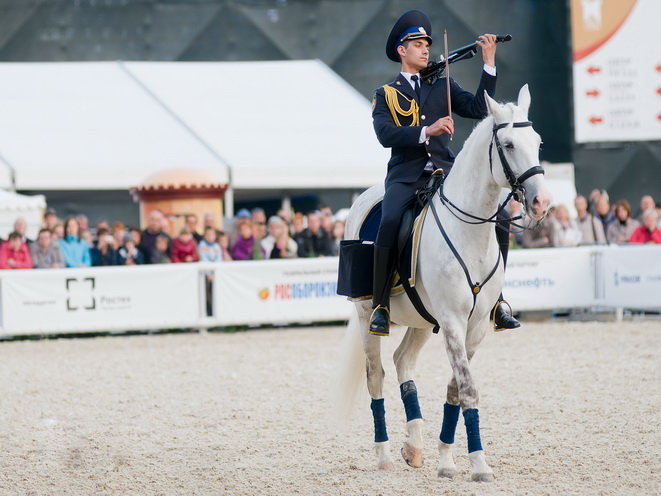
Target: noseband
516,183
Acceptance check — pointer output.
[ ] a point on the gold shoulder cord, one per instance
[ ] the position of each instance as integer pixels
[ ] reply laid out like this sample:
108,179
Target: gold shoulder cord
395,110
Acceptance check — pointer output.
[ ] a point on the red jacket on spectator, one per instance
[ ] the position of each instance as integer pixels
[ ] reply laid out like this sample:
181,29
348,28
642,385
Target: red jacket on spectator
181,250
21,257
643,235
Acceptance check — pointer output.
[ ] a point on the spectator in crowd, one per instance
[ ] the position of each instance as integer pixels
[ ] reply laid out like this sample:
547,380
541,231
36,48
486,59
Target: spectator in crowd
130,254
119,233
646,202
184,248
58,232
102,225
278,244
603,211
45,252
161,251
50,219
326,219
298,224
83,222
224,242
595,194
209,220
155,221
565,233
76,251
104,253
314,241
592,231
258,217
621,230
649,232
208,248
542,237
286,215
21,227
136,235
338,235
14,253
86,236
191,224
246,246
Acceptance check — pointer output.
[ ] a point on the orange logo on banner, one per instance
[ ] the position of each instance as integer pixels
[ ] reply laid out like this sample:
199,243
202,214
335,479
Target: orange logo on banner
594,22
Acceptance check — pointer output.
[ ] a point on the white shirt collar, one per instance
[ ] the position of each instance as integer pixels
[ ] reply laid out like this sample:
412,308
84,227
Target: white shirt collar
408,75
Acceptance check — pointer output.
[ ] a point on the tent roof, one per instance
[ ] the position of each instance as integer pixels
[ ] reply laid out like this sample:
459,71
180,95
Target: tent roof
109,125
14,202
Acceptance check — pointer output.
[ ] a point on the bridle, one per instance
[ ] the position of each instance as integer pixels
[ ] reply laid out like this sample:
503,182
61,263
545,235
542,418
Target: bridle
517,192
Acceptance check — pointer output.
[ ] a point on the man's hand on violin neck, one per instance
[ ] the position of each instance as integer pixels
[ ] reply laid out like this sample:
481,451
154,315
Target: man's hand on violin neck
442,125
488,44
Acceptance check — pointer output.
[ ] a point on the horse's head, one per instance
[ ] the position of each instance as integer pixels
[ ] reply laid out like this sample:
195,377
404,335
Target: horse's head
514,154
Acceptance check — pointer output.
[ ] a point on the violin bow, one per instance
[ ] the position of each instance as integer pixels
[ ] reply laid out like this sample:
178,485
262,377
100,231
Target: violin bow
447,73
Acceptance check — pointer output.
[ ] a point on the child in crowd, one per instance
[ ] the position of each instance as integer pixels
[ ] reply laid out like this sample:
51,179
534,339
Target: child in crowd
224,242
130,254
246,246
208,249
14,253
160,252
184,248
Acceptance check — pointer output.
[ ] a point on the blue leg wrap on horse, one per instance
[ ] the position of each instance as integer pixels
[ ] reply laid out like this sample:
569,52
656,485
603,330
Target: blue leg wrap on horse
450,419
410,398
472,421
379,414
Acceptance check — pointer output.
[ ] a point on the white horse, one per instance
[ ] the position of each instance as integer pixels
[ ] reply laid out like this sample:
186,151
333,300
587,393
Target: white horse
503,140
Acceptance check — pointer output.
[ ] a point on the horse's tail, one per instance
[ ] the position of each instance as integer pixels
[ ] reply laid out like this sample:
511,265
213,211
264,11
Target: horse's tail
350,379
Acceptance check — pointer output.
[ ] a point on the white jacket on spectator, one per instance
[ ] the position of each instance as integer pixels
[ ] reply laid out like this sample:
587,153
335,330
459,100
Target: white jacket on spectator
269,242
566,234
592,230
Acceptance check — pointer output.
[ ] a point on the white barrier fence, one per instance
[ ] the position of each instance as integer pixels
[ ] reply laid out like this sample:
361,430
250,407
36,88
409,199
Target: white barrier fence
299,290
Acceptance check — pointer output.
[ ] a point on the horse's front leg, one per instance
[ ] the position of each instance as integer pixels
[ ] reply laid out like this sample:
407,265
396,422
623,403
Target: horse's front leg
468,400
405,358
375,376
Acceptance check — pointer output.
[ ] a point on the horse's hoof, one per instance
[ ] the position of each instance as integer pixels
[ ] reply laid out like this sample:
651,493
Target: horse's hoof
447,472
387,465
483,477
412,456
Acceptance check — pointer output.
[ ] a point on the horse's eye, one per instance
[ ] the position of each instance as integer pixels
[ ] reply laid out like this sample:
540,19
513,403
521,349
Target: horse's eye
509,145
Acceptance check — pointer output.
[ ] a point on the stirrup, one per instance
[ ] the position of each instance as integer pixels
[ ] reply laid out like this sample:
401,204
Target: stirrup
493,315
375,332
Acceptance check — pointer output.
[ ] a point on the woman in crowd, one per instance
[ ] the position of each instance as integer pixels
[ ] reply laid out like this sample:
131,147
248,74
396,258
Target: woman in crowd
246,246
208,248
224,242
337,233
184,248
649,232
76,251
160,253
14,253
565,233
278,244
104,253
621,230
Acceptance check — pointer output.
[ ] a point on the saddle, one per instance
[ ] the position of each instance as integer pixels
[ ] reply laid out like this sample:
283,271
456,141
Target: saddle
356,268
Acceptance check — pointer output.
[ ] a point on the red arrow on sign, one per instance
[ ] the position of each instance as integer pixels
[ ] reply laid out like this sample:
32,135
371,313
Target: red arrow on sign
592,93
592,69
595,120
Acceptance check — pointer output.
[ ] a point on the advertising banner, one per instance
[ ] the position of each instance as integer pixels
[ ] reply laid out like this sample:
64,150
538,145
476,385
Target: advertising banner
546,279
279,291
99,299
632,276
616,70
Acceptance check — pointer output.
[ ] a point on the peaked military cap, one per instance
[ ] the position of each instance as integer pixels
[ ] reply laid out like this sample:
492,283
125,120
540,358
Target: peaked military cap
412,25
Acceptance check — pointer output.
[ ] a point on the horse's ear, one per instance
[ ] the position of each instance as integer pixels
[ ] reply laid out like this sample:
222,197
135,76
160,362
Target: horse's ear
492,105
524,98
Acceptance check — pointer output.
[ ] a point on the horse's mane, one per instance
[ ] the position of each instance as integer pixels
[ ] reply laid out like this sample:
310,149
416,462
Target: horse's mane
484,127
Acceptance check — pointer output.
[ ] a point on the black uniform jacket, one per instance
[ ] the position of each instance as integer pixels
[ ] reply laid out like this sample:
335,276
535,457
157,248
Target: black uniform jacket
409,157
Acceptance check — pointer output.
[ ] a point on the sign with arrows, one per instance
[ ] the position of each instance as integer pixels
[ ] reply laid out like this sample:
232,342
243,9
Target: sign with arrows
617,70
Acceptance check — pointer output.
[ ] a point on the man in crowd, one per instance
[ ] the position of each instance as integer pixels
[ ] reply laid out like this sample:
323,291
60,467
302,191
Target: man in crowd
151,233
646,203
21,227
14,253
45,253
258,217
50,219
191,224
603,211
592,231
314,241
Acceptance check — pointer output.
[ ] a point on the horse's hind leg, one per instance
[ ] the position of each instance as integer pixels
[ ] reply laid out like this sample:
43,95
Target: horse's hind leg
468,399
405,358
375,375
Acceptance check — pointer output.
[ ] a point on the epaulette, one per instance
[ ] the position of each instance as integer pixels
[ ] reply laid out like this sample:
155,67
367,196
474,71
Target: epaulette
392,101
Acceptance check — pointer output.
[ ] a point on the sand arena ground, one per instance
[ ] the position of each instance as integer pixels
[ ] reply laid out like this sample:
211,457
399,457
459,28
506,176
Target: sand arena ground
566,408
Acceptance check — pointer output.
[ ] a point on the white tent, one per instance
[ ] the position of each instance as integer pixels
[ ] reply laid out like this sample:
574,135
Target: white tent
109,125
13,206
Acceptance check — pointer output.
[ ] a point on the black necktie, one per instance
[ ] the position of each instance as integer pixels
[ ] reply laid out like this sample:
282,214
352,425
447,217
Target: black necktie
416,85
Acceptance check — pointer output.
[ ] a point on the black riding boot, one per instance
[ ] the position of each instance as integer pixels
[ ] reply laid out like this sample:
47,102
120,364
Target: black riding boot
501,318
383,266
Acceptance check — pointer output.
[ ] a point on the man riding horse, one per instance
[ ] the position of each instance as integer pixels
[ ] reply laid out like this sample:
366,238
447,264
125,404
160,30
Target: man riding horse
411,117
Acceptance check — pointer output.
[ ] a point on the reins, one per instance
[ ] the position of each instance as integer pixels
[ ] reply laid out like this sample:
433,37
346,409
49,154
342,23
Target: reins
517,192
